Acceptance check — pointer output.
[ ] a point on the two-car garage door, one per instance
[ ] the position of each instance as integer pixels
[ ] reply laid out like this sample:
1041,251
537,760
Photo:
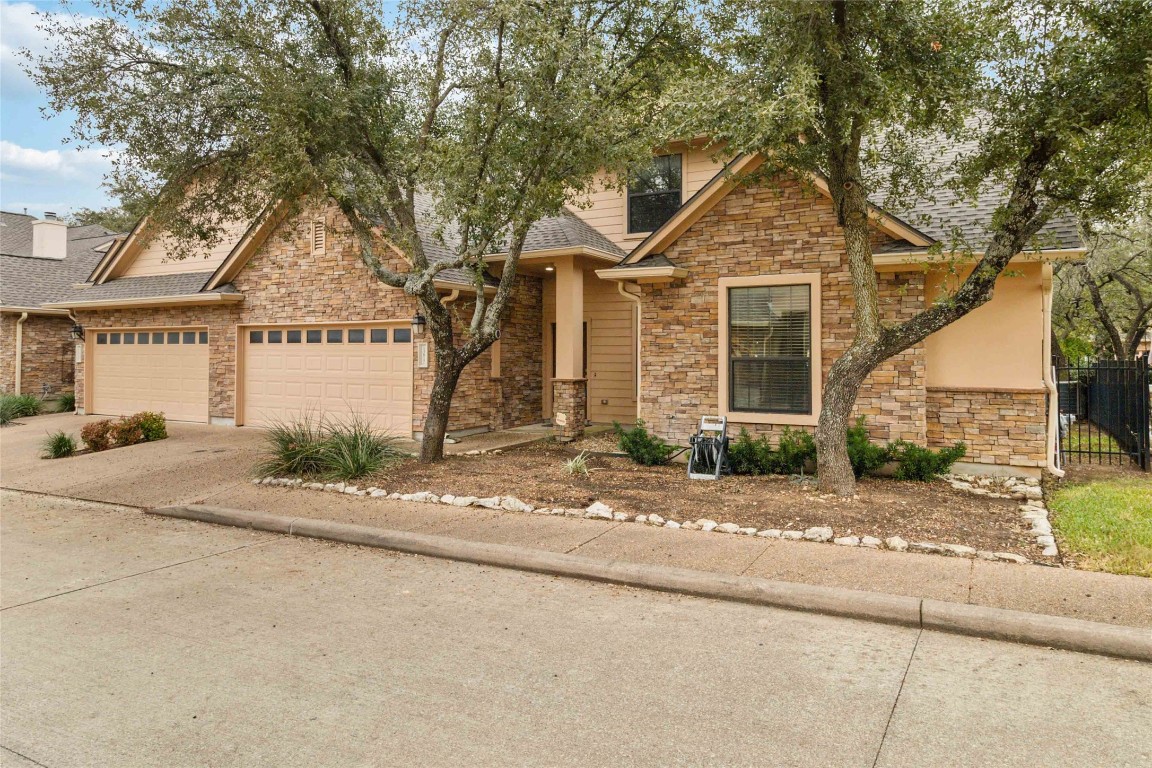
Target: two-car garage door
284,372
329,371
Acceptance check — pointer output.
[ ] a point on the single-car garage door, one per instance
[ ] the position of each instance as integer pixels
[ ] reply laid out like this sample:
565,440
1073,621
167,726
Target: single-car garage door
331,372
158,369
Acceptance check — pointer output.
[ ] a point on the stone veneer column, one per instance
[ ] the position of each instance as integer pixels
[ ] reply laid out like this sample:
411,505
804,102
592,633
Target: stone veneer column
569,408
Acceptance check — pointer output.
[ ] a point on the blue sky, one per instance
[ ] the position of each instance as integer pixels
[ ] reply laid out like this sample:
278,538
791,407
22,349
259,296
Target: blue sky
37,170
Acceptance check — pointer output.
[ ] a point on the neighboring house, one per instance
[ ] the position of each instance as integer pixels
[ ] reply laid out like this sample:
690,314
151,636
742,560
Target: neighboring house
687,294
1145,345
40,261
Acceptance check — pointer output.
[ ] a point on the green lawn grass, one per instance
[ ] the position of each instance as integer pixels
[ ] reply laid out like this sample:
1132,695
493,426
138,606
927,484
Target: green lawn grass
1107,523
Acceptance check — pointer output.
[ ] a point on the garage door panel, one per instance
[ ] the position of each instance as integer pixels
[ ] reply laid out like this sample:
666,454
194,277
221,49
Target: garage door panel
171,378
333,378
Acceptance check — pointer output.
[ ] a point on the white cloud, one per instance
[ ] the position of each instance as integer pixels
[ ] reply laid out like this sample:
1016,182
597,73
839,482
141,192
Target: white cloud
18,161
18,31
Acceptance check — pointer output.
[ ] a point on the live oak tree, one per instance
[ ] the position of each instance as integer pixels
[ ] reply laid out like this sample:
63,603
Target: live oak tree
497,111
1103,306
1054,95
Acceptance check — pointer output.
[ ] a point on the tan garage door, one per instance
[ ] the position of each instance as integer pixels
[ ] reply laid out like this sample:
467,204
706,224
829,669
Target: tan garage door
158,369
329,372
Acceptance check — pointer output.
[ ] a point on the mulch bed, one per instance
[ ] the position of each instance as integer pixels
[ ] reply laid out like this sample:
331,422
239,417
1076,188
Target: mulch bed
882,507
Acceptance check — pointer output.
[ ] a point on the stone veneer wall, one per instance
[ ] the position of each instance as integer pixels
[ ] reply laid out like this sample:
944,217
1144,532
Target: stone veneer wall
46,357
285,282
767,230
999,427
570,405
521,380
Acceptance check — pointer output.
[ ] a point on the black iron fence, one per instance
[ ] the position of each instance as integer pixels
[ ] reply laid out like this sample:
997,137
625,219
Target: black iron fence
1104,412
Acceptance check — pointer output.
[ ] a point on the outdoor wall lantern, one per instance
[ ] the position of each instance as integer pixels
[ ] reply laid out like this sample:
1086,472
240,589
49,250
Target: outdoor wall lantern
418,323
77,332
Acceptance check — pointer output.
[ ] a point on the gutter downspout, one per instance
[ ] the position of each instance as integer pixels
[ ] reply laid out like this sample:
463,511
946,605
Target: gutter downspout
1049,383
19,350
620,286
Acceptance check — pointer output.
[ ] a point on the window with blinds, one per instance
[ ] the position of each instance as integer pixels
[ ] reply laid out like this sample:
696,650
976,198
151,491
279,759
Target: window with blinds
770,349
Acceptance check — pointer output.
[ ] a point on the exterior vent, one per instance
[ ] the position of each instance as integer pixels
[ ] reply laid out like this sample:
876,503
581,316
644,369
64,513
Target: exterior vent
318,237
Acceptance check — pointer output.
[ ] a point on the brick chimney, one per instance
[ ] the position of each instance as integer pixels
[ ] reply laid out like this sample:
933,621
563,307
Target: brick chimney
49,237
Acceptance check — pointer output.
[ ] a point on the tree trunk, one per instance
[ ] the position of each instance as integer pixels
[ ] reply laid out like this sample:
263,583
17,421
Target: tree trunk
439,404
833,467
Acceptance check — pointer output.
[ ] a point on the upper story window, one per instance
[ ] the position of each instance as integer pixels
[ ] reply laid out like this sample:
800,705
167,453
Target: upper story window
654,195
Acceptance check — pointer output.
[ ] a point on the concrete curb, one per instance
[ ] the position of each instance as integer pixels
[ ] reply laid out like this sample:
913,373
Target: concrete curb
956,618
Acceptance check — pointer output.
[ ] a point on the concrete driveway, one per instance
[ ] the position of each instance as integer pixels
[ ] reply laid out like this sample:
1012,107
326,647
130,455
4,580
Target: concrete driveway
135,641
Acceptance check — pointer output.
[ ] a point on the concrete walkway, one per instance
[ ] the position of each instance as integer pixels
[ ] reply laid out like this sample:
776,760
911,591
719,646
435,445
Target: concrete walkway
210,465
134,642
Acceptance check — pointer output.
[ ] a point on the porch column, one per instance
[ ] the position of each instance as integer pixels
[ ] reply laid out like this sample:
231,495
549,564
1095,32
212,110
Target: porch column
569,388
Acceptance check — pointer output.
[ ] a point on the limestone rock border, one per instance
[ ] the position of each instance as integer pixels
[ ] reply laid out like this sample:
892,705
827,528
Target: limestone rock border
1026,489
600,511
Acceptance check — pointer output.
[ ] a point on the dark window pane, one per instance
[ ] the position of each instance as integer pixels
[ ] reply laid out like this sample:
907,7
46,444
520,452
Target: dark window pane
173,337
203,337
158,338
115,338
769,349
379,335
335,336
129,338
654,195
275,337
143,338
294,337
255,337
101,338
402,335
313,337
355,335
189,337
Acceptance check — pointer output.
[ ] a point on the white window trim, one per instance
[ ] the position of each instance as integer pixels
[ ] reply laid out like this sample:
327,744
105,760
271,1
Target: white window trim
812,280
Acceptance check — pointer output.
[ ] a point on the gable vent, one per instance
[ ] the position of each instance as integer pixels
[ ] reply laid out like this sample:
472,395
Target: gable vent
318,237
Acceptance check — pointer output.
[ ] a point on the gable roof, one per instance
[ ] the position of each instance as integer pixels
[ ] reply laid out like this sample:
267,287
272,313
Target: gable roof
27,282
914,228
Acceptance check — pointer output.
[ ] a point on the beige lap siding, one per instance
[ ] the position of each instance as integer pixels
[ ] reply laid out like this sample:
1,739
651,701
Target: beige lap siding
997,427
46,358
767,231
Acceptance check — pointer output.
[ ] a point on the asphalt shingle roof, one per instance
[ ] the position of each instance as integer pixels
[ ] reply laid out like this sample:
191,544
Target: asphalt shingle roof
145,287
29,282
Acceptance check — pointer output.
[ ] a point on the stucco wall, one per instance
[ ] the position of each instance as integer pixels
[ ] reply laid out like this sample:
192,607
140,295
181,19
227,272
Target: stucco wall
767,231
47,354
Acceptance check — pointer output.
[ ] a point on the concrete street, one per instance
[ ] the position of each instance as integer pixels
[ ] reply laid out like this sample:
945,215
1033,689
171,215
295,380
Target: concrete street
136,641
212,465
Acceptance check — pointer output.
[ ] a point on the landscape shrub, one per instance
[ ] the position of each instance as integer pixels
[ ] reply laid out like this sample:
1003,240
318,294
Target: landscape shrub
642,446
335,449
66,403
924,464
152,424
748,455
866,456
59,445
14,407
796,449
97,435
756,456
127,431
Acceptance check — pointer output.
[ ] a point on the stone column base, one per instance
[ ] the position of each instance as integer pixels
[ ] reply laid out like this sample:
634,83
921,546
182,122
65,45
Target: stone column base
569,408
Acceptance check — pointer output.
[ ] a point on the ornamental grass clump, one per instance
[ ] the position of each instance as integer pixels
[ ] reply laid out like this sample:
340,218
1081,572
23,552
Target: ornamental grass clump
14,407
59,445
66,403
332,449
